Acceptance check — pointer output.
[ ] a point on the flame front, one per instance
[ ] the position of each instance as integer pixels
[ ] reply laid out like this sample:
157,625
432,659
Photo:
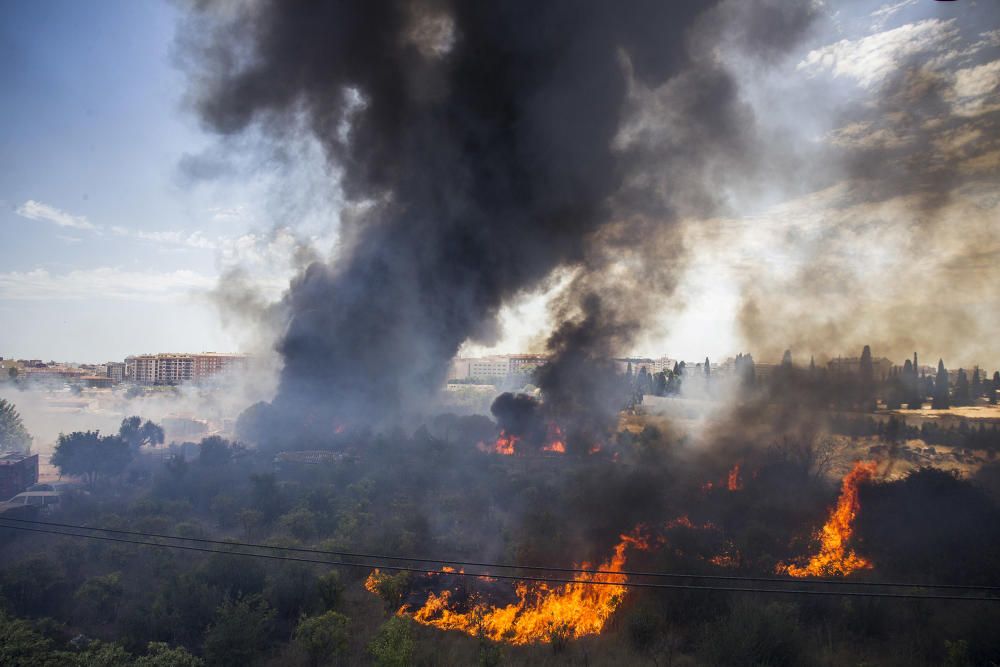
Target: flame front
542,610
834,557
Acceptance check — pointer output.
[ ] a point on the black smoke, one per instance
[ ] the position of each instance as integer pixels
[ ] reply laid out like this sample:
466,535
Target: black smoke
477,144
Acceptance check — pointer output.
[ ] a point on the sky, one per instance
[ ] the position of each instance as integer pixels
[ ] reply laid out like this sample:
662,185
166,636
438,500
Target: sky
119,213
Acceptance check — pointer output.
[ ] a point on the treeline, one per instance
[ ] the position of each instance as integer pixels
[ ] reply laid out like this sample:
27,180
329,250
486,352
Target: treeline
965,435
837,387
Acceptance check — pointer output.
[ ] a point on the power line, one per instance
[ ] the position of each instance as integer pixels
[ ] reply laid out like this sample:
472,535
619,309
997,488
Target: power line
461,563
510,577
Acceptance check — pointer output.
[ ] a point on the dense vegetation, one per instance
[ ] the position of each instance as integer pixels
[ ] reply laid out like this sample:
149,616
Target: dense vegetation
71,601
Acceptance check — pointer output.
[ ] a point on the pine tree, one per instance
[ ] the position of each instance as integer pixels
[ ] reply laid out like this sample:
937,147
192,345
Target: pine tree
786,359
708,369
977,384
995,388
941,398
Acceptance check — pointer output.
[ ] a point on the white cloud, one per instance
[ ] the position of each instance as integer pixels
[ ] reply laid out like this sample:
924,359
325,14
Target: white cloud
975,89
103,283
35,210
871,59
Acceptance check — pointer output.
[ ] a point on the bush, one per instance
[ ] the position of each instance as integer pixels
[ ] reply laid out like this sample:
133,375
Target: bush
323,636
241,632
393,645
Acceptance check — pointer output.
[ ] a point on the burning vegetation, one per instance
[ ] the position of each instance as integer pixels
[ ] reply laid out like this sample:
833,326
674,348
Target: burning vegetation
541,612
835,557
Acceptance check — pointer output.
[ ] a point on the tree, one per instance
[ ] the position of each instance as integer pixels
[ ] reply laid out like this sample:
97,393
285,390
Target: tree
215,451
323,637
159,654
240,633
941,396
20,644
866,371
962,388
99,597
786,358
138,434
995,388
977,384
90,455
393,645
330,589
13,435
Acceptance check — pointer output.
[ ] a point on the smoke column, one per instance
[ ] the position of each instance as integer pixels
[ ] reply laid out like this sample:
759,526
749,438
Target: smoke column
477,145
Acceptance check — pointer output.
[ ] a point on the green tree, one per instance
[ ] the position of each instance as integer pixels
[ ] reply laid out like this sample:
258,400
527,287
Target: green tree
159,654
392,588
90,455
13,435
99,597
20,644
995,388
103,654
240,633
393,645
323,638
138,434
330,589
300,522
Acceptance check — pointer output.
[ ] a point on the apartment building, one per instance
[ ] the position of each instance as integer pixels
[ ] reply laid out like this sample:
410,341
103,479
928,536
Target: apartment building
167,368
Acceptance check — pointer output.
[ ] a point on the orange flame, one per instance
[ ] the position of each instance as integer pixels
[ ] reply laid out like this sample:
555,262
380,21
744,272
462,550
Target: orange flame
556,441
834,557
735,483
542,610
504,445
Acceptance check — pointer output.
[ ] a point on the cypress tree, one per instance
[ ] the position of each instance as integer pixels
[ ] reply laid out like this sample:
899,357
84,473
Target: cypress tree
962,388
941,398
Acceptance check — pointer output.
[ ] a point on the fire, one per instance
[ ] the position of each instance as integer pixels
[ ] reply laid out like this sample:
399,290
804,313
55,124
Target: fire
556,440
541,610
505,444
834,557
735,483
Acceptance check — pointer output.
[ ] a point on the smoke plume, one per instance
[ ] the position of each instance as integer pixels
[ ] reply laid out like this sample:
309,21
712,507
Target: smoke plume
483,145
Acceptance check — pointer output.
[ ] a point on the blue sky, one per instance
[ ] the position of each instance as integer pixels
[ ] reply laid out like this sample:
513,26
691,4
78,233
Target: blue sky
109,249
